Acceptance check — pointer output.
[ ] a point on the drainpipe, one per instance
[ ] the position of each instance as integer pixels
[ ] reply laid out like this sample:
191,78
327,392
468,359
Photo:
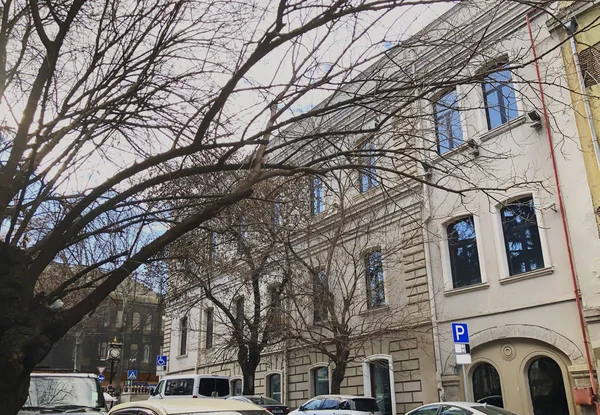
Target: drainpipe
571,27
564,216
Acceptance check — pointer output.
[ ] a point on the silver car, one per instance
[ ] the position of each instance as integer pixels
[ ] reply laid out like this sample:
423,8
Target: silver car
338,405
459,408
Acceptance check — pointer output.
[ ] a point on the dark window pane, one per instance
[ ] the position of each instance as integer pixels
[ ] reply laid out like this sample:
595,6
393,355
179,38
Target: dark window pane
464,257
179,387
427,410
448,126
183,323
368,174
365,405
486,385
330,403
499,96
375,286
214,387
209,329
320,296
321,381
521,236
313,405
317,195
454,410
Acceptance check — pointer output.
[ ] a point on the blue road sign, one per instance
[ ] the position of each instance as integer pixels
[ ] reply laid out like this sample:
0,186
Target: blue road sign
460,333
101,378
161,360
131,374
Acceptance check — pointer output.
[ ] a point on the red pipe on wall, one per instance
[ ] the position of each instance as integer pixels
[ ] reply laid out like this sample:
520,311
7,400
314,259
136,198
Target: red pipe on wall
563,217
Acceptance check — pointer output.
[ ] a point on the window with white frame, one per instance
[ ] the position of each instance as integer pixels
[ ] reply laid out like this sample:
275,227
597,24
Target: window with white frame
464,257
274,386
521,236
447,122
183,334
320,380
368,171
499,98
317,193
374,279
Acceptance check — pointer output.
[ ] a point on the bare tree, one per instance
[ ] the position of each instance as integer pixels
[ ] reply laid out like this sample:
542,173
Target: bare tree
111,106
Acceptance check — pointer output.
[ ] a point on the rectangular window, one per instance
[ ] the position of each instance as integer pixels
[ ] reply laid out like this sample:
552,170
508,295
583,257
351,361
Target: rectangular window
183,330
102,350
375,287
317,195
368,172
274,387
464,257
148,326
276,310
147,352
119,322
320,296
499,98
521,236
239,313
213,244
277,218
209,329
133,353
447,122
320,380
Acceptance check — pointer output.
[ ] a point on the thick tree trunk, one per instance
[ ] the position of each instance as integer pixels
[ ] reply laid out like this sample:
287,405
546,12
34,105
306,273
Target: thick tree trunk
249,359
23,341
337,376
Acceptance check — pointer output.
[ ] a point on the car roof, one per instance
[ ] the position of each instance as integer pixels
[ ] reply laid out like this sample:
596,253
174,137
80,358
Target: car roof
344,396
193,375
190,405
459,404
63,374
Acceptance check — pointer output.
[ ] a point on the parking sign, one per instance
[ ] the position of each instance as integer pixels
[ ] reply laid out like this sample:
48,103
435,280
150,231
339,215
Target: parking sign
460,333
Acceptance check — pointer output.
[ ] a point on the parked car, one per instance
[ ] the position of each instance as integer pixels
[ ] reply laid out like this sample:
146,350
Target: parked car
64,392
188,406
191,386
338,405
459,408
270,404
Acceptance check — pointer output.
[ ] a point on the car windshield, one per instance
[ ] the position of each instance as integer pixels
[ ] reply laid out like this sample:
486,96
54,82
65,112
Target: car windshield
64,392
365,404
260,412
492,410
262,400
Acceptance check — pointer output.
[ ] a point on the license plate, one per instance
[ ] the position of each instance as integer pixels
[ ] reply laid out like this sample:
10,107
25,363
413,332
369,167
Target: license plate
277,411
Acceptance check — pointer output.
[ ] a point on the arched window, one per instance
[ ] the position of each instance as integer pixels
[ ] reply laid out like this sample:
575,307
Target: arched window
236,387
381,385
274,386
547,388
486,385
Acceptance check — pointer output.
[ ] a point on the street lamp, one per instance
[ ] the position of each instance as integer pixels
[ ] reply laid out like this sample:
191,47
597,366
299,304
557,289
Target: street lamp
114,355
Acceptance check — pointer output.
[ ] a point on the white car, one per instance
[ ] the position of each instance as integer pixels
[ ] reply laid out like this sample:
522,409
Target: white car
459,408
185,406
338,405
191,386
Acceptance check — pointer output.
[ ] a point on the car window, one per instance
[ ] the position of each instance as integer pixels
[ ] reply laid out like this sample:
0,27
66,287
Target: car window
213,387
178,387
313,405
330,403
345,404
159,387
365,404
269,401
454,410
426,410
492,410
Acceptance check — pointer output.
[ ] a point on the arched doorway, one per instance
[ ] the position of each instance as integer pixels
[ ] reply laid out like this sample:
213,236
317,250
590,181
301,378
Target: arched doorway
486,385
546,387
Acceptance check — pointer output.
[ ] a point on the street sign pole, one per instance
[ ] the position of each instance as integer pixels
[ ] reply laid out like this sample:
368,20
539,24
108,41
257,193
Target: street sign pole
466,383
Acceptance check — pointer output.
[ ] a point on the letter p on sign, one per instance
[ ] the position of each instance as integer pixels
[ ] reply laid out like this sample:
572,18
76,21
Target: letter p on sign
460,333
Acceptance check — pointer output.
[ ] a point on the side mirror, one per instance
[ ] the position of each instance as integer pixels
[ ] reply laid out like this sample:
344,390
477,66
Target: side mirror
301,408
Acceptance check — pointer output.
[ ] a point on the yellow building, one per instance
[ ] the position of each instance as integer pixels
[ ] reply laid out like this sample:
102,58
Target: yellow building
581,54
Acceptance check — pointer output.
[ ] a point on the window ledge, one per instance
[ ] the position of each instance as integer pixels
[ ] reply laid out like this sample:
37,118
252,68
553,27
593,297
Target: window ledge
474,287
374,310
181,356
527,275
521,119
464,146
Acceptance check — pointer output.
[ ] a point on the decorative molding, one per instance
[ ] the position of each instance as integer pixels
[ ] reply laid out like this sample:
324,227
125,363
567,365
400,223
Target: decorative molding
527,275
475,287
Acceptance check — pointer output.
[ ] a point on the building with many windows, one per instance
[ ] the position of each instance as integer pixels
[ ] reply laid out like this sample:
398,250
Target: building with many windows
493,231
